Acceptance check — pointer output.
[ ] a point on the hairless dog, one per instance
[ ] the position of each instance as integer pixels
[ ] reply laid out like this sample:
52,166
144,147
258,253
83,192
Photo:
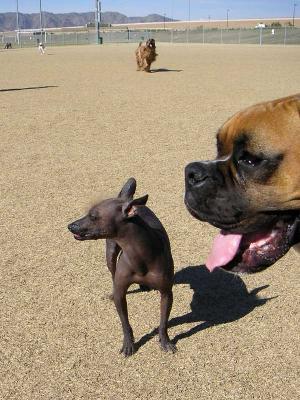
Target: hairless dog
137,251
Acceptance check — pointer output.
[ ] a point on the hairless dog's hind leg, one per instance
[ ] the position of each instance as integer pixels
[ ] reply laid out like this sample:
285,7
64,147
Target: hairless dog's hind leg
165,309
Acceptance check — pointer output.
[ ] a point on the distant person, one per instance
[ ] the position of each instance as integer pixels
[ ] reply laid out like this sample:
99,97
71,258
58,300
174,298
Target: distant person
8,45
41,48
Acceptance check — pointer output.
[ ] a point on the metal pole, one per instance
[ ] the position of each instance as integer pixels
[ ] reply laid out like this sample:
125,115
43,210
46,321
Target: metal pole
203,34
260,36
18,25
164,21
227,16
189,27
294,11
284,40
41,20
98,21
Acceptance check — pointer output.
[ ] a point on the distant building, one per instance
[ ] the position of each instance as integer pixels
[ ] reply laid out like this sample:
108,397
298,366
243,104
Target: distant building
260,25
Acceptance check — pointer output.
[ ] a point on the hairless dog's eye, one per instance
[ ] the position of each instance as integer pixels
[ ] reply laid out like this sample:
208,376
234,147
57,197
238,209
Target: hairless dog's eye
93,217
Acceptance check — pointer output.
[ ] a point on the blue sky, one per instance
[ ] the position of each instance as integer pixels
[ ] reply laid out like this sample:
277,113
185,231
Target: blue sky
200,9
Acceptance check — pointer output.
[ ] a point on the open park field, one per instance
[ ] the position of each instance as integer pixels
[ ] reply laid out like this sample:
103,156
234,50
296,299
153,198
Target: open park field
75,124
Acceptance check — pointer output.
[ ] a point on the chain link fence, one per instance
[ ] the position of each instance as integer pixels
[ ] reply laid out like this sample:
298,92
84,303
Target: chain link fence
32,39
261,36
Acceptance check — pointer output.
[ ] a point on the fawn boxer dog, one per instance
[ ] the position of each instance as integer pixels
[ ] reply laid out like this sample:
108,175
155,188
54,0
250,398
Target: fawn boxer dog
137,251
251,191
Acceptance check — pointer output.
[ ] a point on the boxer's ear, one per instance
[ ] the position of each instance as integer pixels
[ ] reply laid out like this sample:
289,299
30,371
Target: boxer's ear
130,209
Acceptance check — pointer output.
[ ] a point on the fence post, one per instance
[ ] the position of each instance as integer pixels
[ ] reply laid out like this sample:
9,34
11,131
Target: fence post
202,34
284,40
260,36
172,33
239,36
221,36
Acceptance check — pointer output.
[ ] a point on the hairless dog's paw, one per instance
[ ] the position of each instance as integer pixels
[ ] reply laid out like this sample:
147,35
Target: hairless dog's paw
128,348
107,296
168,346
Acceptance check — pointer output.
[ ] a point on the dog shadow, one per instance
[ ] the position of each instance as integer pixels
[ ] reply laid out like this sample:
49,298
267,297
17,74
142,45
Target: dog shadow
165,70
27,88
218,298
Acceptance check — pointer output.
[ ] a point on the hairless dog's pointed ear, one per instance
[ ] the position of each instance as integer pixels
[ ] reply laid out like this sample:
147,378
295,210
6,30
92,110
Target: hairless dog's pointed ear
130,209
128,189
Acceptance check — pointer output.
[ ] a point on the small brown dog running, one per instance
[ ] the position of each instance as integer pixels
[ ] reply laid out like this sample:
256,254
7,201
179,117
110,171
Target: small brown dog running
137,251
145,55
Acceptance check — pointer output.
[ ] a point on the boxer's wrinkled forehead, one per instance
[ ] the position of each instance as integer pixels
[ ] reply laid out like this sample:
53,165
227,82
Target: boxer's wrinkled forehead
241,140
246,149
266,127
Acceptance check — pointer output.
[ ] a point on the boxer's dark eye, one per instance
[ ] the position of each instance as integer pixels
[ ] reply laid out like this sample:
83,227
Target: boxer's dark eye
249,160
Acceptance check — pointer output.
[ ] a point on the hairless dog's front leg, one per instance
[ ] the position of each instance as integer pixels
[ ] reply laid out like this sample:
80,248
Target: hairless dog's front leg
112,252
119,295
165,309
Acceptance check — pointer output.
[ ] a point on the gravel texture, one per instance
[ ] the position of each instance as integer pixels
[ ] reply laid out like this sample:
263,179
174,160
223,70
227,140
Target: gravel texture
84,123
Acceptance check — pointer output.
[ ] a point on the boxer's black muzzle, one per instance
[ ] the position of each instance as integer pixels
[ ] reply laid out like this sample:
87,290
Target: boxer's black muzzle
212,194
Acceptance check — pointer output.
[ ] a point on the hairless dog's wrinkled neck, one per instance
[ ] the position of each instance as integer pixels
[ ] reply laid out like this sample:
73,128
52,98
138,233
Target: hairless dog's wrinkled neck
133,237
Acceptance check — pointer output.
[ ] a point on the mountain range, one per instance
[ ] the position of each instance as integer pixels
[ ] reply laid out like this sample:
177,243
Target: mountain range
51,20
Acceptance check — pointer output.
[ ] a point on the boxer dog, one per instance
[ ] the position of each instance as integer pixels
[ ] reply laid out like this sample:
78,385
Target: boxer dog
251,191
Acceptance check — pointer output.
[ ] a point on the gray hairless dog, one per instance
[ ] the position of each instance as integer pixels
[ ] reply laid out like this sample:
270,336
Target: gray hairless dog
137,251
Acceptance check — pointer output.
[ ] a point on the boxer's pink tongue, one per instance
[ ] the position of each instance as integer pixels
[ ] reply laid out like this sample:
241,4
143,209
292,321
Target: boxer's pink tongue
223,250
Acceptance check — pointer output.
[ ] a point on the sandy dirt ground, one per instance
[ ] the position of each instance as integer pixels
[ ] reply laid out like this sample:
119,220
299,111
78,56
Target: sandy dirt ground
81,122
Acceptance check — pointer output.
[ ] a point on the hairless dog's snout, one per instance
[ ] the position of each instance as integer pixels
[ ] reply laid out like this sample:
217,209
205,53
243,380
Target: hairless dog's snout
74,227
